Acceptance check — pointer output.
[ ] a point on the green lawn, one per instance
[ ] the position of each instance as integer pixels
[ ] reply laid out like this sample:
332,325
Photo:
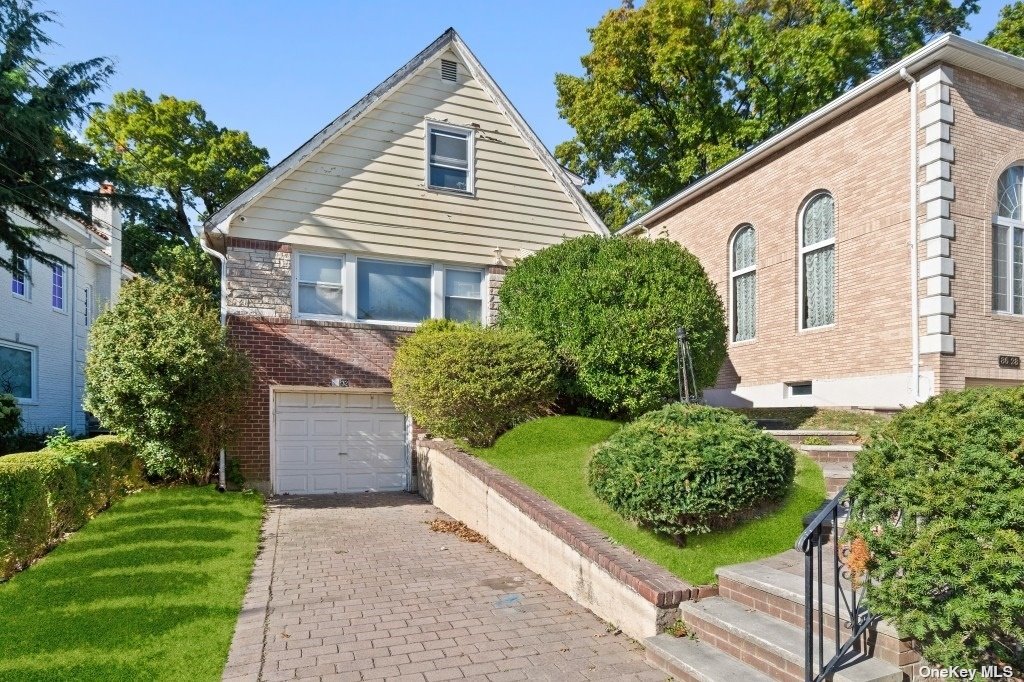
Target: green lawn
815,418
550,455
148,590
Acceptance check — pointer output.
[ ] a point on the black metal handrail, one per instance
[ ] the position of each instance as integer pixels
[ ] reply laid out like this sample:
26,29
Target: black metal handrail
847,601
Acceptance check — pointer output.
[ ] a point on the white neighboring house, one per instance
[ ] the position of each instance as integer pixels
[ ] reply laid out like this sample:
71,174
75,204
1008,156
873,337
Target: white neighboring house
45,319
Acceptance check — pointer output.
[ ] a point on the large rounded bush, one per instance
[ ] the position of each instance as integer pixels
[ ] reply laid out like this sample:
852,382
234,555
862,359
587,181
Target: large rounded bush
939,499
688,469
465,381
160,372
609,309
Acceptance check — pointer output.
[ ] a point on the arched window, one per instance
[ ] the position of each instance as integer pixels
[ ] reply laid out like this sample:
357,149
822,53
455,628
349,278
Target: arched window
743,274
818,262
1008,244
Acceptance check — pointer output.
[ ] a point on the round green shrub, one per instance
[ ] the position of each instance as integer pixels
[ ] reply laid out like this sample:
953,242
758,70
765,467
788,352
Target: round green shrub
608,309
10,415
160,372
465,381
939,499
687,469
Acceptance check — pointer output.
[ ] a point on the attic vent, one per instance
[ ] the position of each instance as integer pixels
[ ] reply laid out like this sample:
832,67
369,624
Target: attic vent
449,71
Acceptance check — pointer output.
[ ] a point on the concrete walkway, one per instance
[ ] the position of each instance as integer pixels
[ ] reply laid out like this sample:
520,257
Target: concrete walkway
357,587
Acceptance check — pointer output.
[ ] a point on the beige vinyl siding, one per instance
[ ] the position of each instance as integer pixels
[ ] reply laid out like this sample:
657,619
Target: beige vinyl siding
365,192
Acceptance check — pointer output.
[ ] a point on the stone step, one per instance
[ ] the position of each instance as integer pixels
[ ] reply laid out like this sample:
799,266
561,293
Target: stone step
823,454
770,645
797,436
691,660
780,594
837,474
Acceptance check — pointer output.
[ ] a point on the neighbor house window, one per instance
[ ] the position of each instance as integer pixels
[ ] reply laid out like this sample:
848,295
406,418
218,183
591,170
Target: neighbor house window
57,287
818,262
449,158
463,297
744,284
319,285
17,371
393,292
1008,244
19,276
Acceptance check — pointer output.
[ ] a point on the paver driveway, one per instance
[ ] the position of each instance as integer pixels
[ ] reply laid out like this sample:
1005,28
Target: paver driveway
357,587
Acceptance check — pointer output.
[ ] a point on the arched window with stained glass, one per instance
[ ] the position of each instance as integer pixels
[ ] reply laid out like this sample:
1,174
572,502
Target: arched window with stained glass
1008,244
743,275
818,262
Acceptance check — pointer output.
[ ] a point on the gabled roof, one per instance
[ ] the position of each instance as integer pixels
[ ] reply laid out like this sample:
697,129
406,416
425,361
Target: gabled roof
449,39
946,49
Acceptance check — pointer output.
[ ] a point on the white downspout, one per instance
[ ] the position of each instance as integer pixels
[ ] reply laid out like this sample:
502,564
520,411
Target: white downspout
915,340
222,483
74,340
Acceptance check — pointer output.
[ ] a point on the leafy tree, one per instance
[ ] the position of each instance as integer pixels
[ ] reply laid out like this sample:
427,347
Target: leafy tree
674,89
43,170
187,266
161,373
170,148
1008,34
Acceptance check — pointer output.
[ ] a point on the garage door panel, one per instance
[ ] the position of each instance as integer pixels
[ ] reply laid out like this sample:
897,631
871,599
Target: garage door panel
326,425
313,428
291,455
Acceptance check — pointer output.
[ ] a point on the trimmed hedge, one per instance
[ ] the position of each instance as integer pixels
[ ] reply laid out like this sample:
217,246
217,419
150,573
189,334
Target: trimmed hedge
608,310
939,500
688,469
51,492
466,381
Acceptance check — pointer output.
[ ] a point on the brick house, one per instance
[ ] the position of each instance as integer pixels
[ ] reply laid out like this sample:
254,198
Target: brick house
408,206
871,254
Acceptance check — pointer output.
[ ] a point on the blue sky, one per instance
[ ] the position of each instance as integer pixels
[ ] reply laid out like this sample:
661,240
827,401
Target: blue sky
282,70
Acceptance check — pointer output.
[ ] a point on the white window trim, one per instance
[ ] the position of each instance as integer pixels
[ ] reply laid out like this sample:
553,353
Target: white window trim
1009,225
733,274
296,314
63,288
26,264
350,300
470,168
804,250
483,291
34,371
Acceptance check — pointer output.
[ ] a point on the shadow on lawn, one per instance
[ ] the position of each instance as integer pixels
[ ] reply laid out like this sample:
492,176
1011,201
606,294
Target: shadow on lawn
148,590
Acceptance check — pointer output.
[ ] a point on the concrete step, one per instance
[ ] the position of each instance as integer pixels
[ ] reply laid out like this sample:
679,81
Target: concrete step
797,436
770,645
830,454
780,594
837,474
691,660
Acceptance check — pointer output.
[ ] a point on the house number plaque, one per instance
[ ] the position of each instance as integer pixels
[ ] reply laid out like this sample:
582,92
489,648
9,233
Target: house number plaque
1009,361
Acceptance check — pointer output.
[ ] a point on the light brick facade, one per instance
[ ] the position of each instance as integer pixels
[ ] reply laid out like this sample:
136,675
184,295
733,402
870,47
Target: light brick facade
969,128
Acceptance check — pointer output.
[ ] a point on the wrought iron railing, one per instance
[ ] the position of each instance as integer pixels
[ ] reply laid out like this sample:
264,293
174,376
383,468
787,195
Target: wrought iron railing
850,616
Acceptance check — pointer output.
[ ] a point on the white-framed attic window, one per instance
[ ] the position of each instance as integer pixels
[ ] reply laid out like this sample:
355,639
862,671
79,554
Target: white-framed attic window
449,158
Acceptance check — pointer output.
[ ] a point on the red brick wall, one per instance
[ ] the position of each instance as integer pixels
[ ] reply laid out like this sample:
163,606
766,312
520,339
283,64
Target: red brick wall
287,352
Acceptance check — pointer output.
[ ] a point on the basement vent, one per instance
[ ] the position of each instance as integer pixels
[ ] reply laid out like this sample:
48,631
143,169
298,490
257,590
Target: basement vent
449,71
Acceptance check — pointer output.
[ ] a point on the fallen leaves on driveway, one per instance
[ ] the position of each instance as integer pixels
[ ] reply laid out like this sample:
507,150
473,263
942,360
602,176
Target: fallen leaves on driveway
458,529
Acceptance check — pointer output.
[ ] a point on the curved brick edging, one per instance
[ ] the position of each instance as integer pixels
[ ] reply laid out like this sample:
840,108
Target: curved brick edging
453,492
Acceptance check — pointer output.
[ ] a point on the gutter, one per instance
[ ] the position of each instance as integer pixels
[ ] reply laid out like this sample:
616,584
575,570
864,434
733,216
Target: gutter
915,334
222,464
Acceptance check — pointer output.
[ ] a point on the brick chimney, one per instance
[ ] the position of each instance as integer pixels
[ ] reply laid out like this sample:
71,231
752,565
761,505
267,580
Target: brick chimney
107,217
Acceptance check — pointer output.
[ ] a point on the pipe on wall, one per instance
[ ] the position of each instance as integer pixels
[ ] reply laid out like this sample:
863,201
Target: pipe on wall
222,464
915,333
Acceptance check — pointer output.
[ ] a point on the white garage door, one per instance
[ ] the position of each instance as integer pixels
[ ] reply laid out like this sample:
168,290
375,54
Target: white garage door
338,443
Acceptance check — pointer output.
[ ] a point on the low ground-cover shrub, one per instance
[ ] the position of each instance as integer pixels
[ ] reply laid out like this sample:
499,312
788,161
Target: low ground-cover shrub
939,495
48,493
470,382
687,469
608,309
